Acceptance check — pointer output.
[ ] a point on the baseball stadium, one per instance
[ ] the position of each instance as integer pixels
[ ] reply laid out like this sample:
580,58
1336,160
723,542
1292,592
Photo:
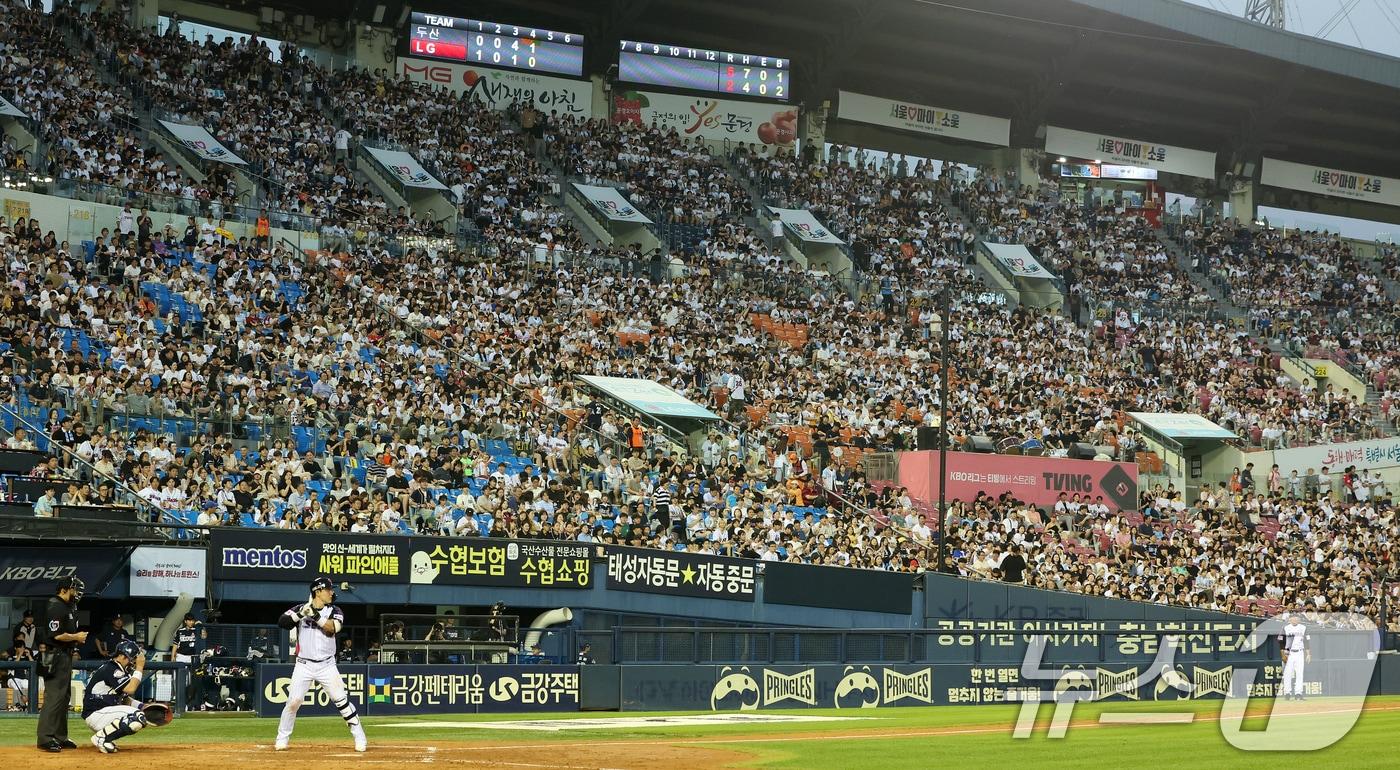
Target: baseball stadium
643,384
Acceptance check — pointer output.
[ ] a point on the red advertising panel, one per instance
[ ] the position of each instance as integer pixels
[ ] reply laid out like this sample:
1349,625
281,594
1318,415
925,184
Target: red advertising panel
1036,480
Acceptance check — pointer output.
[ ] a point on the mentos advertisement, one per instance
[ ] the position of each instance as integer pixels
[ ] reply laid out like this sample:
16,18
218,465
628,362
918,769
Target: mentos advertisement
1035,480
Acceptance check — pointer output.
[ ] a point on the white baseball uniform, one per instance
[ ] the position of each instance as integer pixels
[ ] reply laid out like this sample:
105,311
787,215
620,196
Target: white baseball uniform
1295,643
315,662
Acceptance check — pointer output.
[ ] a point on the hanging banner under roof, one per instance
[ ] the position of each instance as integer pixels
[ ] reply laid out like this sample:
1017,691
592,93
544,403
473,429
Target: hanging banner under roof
801,223
9,110
926,119
1325,180
405,168
612,203
1019,260
1131,152
202,143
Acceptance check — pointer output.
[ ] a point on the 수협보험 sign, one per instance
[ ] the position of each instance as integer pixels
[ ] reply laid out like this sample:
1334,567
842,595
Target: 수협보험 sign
514,563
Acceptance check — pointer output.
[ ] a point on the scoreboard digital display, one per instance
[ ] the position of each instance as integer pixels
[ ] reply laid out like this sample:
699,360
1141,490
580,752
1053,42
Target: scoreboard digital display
495,45
701,69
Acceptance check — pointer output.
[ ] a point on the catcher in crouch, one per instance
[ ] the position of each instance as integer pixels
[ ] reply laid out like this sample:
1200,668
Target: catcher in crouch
108,707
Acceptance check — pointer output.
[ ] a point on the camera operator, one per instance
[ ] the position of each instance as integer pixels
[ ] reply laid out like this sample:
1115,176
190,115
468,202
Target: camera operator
434,633
498,627
392,633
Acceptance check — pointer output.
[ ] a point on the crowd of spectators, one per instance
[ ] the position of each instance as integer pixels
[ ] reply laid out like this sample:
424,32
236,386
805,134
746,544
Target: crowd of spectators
1251,550
435,390
87,130
677,180
1290,280
1107,257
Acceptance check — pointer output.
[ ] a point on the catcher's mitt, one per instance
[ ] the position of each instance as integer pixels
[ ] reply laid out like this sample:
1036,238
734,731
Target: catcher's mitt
158,714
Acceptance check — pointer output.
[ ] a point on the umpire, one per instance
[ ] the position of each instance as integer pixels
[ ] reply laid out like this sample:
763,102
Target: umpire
62,637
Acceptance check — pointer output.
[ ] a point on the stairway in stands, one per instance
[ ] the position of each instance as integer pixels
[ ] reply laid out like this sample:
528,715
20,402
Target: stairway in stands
959,215
1223,305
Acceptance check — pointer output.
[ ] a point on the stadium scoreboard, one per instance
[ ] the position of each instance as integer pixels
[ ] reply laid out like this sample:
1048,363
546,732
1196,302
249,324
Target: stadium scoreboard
702,69
495,45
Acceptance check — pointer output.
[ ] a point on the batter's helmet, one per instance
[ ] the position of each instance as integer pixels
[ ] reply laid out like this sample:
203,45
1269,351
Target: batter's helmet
323,583
129,648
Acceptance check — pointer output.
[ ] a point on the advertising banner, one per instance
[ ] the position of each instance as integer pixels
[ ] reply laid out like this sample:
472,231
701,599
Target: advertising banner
36,570
202,143
805,227
508,563
915,116
1018,259
680,574
1005,640
405,168
406,690
838,588
278,555
9,110
712,119
611,202
161,571
1130,152
1035,480
283,556
498,89
759,687
1325,180
1365,455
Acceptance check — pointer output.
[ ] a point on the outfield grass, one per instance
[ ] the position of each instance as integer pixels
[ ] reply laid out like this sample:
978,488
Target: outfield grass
973,736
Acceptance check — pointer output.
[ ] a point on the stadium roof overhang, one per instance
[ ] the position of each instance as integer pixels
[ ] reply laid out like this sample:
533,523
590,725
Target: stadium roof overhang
1159,70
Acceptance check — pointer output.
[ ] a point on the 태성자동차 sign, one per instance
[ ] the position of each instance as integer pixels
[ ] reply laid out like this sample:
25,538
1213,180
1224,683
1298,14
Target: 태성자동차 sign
680,574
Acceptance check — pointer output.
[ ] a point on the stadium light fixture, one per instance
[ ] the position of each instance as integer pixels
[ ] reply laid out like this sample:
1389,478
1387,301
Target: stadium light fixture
379,14
1062,159
403,15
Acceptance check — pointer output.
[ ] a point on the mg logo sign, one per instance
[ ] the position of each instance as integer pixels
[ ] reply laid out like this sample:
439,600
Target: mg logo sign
432,73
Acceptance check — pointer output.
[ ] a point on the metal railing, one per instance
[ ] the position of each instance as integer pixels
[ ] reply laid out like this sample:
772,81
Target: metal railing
92,474
110,195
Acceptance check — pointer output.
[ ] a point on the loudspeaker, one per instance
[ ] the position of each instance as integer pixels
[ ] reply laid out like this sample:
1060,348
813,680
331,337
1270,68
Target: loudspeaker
1082,451
926,437
981,444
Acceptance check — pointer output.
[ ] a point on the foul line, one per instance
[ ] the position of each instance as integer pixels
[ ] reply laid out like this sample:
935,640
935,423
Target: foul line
865,736
1130,718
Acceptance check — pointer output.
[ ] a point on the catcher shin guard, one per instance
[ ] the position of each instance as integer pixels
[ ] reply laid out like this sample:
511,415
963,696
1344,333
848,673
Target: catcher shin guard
120,728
